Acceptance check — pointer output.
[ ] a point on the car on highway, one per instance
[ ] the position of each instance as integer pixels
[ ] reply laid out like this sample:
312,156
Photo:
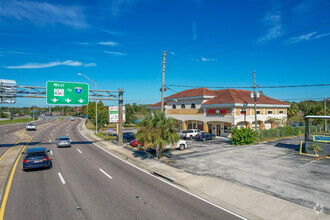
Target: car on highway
203,136
31,127
63,142
72,119
36,157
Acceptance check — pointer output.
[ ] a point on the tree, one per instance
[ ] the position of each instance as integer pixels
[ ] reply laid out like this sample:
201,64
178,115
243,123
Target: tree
293,110
157,130
130,113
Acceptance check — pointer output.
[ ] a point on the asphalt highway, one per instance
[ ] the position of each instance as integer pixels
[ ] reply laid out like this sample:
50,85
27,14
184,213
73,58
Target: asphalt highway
85,182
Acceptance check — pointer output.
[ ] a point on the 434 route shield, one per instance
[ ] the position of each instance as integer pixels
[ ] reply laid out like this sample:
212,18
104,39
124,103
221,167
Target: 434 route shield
67,93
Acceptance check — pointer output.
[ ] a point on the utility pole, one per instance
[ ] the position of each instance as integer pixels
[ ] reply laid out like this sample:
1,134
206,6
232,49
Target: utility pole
255,104
96,111
325,114
163,81
120,116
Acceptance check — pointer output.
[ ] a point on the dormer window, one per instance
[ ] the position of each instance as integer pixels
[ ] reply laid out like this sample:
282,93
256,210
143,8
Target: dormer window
173,106
183,106
193,105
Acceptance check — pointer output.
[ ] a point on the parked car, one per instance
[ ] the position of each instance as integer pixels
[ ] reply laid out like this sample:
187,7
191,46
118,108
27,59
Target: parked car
72,119
30,126
203,136
181,145
36,157
128,136
63,142
190,134
135,143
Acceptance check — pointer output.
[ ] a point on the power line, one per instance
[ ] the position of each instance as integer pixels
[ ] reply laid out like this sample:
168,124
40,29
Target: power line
254,44
300,99
249,87
254,32
238,25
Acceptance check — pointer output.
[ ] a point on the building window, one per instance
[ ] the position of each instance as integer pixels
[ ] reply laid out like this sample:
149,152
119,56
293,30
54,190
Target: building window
193,105
258,112
269,112
243,112
281,112
173,106
183,106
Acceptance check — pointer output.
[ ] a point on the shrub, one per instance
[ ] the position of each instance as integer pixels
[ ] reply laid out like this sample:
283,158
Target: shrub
242,136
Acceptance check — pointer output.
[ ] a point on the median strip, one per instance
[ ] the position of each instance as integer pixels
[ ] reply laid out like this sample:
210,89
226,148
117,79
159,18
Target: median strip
79,151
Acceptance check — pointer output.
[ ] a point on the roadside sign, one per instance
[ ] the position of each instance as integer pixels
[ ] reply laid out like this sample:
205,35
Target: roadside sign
110,130
8,89
113,114
67,93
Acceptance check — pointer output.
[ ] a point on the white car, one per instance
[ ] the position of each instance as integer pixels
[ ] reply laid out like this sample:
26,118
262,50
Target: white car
72,119
181,145
31,126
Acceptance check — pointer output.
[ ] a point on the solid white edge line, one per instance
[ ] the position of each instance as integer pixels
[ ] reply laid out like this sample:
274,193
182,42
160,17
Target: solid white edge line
79,151
204,200
105,173
61,177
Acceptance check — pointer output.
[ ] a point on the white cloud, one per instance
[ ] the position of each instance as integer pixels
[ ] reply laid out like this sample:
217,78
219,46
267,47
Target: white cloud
109,43
43,13
275,31
322,35
115,53
302,37
50,64
205,59
172,53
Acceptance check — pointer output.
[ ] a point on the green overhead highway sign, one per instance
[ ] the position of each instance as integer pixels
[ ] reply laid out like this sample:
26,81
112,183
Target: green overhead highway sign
66,93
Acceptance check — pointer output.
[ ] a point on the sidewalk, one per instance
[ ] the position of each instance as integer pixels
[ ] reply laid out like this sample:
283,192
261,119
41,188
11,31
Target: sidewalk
241,200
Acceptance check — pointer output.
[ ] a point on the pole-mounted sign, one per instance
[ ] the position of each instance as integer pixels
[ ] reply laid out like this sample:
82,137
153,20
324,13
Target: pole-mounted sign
66,93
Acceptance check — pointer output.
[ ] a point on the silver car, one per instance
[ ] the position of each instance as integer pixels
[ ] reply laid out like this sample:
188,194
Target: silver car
63,142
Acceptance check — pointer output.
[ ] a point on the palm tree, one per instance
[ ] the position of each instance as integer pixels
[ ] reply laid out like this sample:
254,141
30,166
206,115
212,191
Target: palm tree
157,130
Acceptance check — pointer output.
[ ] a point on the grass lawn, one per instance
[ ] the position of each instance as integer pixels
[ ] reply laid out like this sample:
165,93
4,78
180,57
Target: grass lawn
21,120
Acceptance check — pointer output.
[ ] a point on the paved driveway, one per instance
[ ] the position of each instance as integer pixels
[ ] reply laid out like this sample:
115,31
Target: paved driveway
275,168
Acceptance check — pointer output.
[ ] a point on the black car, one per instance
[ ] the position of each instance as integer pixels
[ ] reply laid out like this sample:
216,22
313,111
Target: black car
204,136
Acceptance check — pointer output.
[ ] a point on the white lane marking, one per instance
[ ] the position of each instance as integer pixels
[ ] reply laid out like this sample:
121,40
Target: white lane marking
105,173
79,151
61,177
51,152
51,134
50,140
171,184
308,163
67,134
53,130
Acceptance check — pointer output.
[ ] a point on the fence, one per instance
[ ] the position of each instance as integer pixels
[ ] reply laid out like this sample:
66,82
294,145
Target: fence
271,134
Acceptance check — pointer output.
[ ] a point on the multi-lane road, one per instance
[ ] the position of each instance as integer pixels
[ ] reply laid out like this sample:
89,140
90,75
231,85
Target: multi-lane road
86,182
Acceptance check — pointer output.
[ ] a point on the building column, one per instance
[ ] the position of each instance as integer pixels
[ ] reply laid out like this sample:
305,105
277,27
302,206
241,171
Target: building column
273,124
262,125
184,125
206,127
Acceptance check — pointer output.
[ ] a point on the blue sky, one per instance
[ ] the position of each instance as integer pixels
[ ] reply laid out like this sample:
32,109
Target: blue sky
120,43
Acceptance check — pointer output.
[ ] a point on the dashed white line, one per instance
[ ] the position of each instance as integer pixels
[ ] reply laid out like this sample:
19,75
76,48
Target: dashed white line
110,177
67,134
79,151
51,134
51,152
50,140
61,177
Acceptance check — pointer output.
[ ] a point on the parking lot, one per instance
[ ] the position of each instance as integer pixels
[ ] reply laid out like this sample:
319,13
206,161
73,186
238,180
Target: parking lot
275,168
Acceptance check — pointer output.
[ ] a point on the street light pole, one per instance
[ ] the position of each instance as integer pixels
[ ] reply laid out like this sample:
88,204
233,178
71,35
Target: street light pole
80,74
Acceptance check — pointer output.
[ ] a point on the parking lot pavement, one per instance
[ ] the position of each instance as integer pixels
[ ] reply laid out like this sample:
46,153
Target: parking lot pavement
275,168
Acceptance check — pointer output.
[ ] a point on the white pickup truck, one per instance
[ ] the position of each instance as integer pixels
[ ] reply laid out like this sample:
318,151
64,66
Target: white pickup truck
189,134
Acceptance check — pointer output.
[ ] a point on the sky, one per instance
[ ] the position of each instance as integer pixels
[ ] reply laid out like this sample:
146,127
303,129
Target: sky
209,43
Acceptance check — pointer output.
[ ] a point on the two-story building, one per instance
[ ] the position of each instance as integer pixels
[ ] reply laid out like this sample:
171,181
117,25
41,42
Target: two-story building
217,111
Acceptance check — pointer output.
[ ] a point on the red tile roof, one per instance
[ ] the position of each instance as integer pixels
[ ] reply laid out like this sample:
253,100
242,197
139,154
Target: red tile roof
158,104
224,96
193,92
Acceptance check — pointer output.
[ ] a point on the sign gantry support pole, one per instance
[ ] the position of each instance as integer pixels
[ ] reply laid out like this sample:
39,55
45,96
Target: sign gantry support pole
120,116
163,82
